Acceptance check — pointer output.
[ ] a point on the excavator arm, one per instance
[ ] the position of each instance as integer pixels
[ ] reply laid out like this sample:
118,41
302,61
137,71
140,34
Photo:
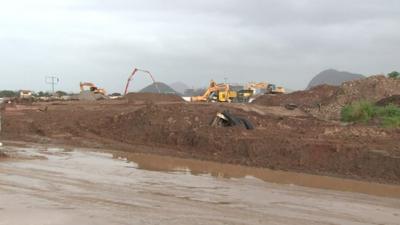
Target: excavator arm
212,88
92,87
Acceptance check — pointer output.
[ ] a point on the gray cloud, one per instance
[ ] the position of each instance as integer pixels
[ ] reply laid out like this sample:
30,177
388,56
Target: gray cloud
286,42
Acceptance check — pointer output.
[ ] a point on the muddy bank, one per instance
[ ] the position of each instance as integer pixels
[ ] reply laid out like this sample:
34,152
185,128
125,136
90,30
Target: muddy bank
284,141
69,186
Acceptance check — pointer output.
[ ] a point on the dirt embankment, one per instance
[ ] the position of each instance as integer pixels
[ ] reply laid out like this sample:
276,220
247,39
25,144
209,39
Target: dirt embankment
152,97
326,101
295,142
394,99
304,99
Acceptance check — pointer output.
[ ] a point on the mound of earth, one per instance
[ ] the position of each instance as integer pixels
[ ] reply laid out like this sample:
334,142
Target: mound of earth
326,102
158,87
296,143
152,97
394,99
88,96
333,77
370,89
308,98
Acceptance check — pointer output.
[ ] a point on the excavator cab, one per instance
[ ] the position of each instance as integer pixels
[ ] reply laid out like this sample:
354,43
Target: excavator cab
92,88
216,93
273,89
227,96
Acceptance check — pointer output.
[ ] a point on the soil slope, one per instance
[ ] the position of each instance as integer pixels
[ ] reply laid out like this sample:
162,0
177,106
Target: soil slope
282,139
326,102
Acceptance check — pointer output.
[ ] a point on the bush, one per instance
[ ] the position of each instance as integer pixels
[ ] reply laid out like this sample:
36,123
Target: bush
389,116
394,74
358,112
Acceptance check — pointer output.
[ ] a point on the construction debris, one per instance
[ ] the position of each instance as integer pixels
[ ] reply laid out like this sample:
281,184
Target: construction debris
226,119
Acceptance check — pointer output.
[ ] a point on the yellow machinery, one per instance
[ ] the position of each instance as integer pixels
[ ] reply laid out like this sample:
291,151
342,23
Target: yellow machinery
273,89
257,88
92,88
227,96
216,92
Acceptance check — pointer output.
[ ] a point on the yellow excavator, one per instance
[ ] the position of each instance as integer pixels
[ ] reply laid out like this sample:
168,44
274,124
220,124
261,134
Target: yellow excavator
257,88
216,93
92,88
273,89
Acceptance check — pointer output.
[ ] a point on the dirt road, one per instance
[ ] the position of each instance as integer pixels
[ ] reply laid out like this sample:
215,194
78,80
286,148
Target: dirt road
67,186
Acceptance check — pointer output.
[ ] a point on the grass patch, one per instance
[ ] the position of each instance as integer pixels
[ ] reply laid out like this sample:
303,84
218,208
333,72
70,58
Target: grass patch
365,112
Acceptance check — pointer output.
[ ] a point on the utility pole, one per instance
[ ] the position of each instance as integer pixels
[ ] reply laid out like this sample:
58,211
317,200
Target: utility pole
52,80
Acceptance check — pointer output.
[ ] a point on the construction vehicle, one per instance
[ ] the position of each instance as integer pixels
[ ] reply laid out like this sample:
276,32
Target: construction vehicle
257,88
135,70
245,95
216,93
25,96
92,88
273,89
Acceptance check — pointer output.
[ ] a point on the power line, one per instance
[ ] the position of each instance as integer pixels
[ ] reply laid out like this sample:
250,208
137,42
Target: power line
52,80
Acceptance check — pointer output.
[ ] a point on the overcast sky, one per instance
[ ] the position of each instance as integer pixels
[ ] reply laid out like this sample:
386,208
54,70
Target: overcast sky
286,42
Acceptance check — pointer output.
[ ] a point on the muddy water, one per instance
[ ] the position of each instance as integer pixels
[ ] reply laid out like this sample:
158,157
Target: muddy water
196,167
58,186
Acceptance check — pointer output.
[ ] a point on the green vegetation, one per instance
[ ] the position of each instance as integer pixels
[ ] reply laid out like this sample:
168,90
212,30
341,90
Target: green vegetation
8,93
394,74
365,112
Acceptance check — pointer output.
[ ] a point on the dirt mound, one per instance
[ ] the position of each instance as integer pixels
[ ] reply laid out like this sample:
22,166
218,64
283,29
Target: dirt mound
327,101
89,96
152,97
395,100
371,89
278,141
310,97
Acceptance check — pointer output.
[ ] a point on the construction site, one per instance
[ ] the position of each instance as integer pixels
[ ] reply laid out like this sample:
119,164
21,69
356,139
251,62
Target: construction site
258,130
257,126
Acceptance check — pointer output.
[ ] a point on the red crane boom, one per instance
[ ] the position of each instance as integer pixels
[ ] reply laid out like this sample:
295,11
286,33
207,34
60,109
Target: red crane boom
133,74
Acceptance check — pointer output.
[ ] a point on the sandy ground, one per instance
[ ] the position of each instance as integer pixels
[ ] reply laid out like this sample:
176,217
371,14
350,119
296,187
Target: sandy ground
67,186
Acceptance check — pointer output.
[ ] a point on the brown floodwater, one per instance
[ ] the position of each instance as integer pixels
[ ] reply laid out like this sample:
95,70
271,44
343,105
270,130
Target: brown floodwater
196,167
41,185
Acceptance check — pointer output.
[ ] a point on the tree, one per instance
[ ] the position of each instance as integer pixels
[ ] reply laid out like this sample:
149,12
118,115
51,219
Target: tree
394,74
8,93
61,93
42,94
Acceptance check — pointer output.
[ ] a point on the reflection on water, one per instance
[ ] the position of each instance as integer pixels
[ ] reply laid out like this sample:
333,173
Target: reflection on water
197,167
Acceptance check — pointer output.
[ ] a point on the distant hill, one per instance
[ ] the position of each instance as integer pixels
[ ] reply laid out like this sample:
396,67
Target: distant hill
179,87
164,89
333,77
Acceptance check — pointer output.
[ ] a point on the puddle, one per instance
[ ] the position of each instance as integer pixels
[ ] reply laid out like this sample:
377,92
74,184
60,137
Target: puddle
61,187
197,167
